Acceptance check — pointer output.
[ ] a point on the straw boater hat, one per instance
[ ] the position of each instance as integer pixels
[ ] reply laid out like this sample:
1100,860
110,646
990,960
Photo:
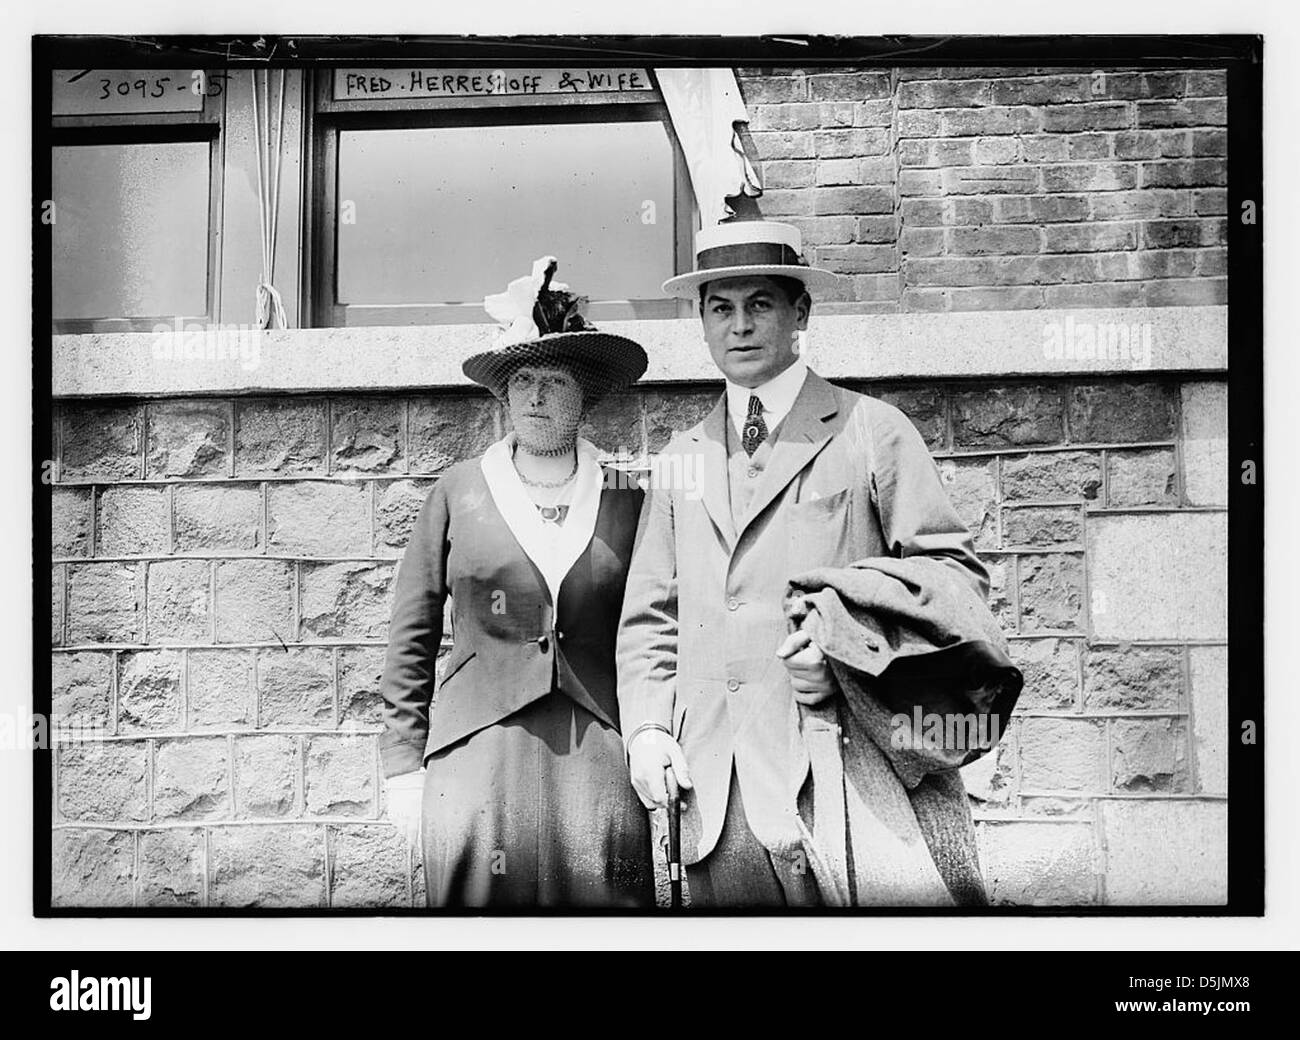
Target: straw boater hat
543,324
748,247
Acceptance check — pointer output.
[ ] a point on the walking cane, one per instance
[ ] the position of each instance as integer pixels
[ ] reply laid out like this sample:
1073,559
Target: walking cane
674,842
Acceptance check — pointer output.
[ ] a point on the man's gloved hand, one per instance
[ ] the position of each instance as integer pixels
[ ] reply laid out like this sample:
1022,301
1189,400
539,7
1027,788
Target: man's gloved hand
405,795
810,673
657,767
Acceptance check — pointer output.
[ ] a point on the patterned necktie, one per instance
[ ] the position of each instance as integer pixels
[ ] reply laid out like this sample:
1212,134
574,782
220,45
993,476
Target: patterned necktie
755,429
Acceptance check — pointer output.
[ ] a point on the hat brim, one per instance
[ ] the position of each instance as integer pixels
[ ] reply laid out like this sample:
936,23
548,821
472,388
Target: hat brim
687,286
600,361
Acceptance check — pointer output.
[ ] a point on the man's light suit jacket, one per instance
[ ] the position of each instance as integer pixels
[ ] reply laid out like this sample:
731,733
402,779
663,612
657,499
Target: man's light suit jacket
849,477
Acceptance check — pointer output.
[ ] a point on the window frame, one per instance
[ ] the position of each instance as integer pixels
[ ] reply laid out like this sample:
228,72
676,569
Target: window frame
154,128
328,118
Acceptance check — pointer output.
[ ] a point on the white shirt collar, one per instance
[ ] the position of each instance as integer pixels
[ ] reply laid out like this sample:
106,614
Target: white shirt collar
777,395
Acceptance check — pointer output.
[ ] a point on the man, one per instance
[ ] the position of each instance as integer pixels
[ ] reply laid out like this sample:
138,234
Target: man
794,474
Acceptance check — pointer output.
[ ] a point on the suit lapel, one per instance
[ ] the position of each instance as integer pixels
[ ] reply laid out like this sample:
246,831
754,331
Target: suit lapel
711,441
801,436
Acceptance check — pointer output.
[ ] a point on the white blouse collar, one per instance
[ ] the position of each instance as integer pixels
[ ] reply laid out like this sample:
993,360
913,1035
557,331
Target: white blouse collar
553,548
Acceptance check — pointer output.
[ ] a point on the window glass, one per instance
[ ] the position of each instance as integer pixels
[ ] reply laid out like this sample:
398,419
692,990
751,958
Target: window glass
448,215
131,230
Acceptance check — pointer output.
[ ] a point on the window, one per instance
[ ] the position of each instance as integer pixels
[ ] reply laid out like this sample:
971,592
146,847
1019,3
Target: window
136,173
132,230
426,204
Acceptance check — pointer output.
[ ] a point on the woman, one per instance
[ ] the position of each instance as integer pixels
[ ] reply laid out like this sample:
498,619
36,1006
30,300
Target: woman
516,774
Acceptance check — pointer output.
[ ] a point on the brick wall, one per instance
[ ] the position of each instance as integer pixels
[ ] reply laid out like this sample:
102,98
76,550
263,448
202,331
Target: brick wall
222,566
969,189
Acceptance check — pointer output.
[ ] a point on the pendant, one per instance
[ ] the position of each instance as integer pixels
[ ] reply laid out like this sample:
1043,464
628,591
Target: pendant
550,513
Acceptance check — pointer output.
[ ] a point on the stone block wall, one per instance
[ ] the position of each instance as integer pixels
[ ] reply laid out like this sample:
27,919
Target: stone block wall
221,593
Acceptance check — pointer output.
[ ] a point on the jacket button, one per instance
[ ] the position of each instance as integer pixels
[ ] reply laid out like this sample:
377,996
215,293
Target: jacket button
733,603
733,685
751,472
559,636
543,644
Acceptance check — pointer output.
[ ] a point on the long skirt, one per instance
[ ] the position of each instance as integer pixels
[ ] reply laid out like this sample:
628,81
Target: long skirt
536,811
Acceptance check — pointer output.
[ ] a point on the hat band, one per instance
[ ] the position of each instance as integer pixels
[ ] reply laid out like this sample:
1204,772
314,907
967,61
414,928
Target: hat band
747,254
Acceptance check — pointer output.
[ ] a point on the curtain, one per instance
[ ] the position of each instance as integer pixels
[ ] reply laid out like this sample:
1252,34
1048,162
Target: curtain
705,105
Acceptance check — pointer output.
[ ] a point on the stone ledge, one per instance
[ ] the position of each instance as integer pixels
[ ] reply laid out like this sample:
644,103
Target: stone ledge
1002,344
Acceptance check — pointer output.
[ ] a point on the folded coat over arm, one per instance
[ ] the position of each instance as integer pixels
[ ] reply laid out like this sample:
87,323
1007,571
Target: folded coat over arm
907,639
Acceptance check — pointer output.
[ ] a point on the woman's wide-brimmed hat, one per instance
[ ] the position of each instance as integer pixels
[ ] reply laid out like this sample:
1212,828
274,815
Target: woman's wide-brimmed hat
748,247
543,324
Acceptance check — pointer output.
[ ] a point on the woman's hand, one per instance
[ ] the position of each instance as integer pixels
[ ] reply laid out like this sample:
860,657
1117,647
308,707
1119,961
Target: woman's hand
404,795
